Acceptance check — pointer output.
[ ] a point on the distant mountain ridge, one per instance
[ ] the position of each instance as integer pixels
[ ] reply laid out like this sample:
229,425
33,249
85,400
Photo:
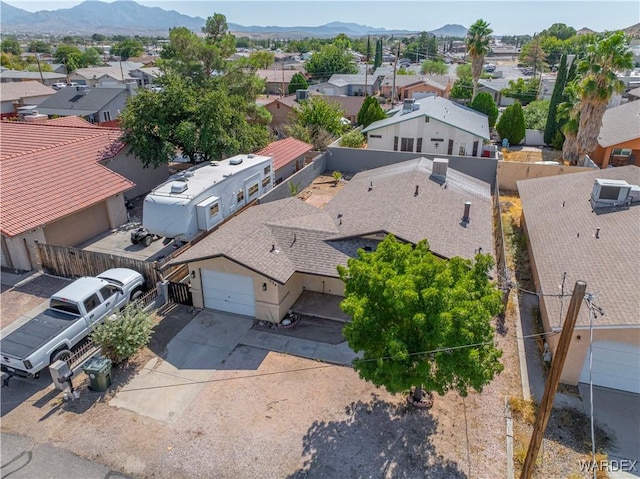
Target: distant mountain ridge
129,17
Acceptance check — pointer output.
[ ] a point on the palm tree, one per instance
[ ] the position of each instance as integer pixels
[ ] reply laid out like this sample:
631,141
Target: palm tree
477,47
597,83
569,114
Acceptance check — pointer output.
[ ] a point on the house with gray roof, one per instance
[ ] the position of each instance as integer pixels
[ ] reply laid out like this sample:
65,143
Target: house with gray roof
14,95
96,105
494,87
432,125
619,137
349,85
584,226
46,78
261,261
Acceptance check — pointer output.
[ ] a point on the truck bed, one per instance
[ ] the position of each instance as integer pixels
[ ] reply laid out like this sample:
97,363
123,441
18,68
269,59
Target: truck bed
36,333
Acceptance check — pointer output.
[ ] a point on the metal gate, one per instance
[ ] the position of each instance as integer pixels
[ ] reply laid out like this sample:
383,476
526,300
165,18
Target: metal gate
180,293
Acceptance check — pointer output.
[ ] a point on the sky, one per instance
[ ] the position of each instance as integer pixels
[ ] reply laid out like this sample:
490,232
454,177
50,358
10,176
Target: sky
506,17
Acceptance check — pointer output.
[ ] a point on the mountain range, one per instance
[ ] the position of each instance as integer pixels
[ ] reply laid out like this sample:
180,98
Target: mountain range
126,17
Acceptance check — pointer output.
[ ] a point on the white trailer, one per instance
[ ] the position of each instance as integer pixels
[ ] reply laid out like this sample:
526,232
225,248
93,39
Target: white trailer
201,197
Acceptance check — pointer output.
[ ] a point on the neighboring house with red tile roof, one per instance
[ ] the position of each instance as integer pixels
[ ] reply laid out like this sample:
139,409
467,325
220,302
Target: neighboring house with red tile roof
259,262
619,137
582,226
288,156
64,181
16,94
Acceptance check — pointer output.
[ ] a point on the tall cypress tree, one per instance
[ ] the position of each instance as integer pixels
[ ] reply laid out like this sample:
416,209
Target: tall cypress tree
551,128
378,58
368,48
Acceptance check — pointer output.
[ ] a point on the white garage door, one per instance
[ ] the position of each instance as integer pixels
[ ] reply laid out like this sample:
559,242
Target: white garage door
228,292
615,365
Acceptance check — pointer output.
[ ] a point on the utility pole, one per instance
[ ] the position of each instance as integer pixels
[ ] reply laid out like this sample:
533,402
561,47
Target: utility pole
283,93
395,66
35,51
546,405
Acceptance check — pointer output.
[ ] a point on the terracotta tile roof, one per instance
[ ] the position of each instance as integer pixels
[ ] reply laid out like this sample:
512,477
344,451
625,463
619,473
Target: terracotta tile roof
278,238
51,171
72,121
608,264
285,151
12,91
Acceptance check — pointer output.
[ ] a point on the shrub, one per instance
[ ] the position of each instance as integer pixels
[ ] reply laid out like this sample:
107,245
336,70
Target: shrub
121,337
535,114
353,139
337,176
511,124
484,103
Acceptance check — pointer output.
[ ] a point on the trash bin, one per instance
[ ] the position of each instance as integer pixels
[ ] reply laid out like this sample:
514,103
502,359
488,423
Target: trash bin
99,372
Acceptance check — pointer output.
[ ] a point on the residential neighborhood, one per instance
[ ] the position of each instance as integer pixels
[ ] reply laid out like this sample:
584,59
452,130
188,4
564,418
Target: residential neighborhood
318,251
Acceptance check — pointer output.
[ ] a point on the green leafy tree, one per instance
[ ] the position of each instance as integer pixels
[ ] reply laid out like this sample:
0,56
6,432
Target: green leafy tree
559,31
342,42
551,127
204,121
432,67
317,121
533,55
121,337
11,45
353,139
70,55
98,37
377,60
525,91
370,111
127,48
39,46
484,103
328,61
90,57
597,82
552,48
262,59
464,71
536,114
511,124
477,41
421,322
298,82
462,89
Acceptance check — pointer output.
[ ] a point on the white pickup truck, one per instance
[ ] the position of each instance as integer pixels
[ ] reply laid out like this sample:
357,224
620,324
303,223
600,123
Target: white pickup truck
73,312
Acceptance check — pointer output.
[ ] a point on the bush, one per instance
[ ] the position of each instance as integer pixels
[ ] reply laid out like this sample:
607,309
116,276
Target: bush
484,103
558,141
121,337
535,114
511,124
353,139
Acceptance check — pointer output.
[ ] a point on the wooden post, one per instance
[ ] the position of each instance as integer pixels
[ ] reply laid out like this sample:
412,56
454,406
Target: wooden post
546,405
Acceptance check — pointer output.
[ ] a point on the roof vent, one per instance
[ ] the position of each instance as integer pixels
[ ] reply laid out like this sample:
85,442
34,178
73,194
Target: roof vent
609,193
178,187
235,161
408,105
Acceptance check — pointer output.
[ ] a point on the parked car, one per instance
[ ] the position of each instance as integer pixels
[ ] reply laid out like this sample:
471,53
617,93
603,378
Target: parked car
71,316
58,85
489,68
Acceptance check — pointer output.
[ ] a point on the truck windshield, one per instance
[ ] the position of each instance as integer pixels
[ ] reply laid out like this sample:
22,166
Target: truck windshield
111,280
65,306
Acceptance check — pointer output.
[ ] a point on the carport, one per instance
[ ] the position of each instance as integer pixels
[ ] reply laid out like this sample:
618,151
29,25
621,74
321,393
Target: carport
320,305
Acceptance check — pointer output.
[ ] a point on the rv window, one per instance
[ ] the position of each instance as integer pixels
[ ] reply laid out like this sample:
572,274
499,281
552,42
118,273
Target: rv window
253,190
267,169
213,209
265,181
240,196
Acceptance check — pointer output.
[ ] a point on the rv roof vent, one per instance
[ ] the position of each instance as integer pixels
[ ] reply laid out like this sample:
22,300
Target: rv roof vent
227,175
188,174
214,163
251,155
235,161
178,187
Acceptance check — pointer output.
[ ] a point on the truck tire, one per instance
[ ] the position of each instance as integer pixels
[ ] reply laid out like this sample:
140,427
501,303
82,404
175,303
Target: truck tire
147,240
60,355
136,294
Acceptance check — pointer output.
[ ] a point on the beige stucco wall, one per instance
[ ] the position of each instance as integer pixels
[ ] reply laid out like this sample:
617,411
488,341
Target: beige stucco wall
131,168
116,211
323,284
509,172
23,250
81,226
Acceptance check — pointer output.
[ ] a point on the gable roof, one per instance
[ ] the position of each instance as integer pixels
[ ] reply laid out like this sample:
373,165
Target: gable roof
608,264
12,91
284,151
350,104
275,76
20,75
278,238
79,101
50,171
343,79
443,110
496,85
115,72
620,124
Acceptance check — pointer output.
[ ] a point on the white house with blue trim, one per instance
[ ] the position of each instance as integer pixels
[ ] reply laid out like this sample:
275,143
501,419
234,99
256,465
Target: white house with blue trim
432,125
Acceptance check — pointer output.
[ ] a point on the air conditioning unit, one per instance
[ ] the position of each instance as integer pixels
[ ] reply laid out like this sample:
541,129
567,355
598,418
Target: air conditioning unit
302,95
178,187
235,161
607,193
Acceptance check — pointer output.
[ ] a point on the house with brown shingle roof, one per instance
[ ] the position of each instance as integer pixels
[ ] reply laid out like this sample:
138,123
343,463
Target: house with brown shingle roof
259,262
13,95
289,155
585,226
64,181
277,80
619,137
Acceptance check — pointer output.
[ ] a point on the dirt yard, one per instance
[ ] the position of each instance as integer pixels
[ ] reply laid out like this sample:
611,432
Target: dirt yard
323,188
269,415
531,155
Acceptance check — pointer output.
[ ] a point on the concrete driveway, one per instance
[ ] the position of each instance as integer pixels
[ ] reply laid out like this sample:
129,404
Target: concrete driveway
619,412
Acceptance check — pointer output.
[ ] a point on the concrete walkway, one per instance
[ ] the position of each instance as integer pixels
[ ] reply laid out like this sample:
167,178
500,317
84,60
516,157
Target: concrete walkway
192,357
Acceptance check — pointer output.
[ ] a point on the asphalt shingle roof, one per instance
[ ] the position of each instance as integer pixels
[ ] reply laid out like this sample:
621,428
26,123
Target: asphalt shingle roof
277,239
12,91
620,124
562,239
79,101
443,110
50,171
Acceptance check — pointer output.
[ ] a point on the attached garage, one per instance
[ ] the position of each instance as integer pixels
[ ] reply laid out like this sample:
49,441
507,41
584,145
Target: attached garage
616,365
228,292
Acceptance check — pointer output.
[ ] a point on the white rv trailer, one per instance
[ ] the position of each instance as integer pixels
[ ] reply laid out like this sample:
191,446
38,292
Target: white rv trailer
201,197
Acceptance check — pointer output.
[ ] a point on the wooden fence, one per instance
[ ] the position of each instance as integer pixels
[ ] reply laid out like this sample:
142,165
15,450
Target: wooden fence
70,262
